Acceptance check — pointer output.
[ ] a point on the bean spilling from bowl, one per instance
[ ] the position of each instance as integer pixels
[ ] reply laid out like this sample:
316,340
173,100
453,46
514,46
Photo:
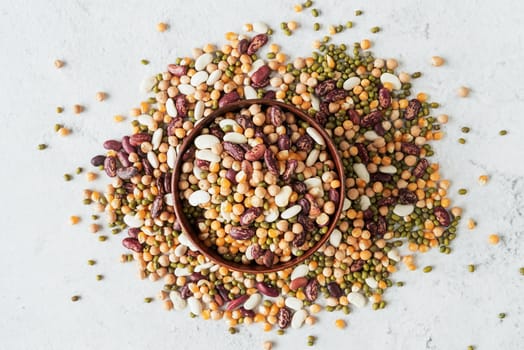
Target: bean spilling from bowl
395,196
260,186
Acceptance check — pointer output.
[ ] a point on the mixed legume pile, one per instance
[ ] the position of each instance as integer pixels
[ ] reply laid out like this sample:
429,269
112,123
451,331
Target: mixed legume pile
394,193
260,185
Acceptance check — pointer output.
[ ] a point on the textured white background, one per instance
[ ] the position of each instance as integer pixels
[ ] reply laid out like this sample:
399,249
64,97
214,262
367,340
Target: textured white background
43,259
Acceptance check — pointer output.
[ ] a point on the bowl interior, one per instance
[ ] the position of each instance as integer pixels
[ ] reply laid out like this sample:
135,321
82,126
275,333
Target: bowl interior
192,231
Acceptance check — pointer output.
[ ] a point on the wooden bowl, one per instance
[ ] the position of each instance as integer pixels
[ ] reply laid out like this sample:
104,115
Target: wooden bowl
192,231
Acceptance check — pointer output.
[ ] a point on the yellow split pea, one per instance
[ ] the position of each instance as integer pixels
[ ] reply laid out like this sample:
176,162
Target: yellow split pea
494,239
73,219
162,27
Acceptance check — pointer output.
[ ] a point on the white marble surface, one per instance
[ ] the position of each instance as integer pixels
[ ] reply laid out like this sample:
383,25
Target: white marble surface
44,259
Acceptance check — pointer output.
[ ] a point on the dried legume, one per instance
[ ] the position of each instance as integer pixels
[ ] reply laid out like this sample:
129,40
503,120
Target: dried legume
101,96
437,61
395,195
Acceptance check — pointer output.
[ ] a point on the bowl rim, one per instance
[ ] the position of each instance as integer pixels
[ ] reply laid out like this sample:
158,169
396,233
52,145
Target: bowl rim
190,229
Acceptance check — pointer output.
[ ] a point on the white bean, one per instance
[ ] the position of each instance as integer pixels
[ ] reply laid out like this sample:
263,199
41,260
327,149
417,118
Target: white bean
357,299
206,141
148,84
208,155
169,200
224,123
361,171
299,271
294,303
194,305
179,303
290,212
335,238
315,135
171,157
157,138
312,157
260,27
199,78
186,89
203,60
403,209
282,198
388,169
170,108
298,319
370,135
199,197
365,202
133,221
199,110
153,159
146,120
253,301
235,137
271,215
392,79
250,93
350,83
214,77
